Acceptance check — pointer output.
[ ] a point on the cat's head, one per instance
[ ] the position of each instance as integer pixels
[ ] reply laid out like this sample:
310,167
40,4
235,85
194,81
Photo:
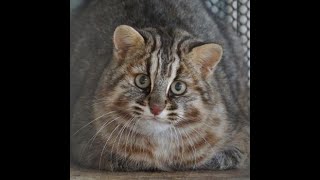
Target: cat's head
158,78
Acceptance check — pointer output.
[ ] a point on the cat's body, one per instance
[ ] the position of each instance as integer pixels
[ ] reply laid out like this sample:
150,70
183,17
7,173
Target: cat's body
208,126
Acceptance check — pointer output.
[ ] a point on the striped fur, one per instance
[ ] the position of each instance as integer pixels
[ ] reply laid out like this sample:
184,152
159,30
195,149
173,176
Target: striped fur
112,127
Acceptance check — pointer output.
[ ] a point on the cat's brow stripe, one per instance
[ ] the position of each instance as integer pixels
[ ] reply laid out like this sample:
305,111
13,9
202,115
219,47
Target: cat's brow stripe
184,39
148,66
169,71
151,46
173,74
154,62
159,61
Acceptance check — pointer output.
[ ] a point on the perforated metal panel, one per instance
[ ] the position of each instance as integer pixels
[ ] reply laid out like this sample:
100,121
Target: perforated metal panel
237,13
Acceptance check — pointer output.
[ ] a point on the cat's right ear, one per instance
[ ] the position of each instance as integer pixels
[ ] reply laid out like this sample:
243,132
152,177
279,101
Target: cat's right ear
206,57
126,39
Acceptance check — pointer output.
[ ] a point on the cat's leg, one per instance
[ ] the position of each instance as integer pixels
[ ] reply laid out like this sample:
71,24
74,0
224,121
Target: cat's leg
229,158
234,155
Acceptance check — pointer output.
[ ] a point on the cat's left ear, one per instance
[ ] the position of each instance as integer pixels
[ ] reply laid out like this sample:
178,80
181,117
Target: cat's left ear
206,57
126,39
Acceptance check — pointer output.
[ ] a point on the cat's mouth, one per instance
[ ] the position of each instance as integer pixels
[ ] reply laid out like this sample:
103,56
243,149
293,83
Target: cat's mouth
152,125
155,119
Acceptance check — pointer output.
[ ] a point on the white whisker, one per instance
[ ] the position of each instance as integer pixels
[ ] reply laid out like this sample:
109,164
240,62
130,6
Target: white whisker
106,144
196,130
103,126
171,137
122,130
131,130
192,145
93,121
135,133
201,135
93,137
182,145
125,149
119,133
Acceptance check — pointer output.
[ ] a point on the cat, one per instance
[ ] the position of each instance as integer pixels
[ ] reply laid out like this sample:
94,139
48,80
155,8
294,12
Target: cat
156,86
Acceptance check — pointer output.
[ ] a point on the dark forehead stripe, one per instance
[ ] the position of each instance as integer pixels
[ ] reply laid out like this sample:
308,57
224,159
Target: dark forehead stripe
149,34
182,71
184,39
148,65
167,39
169,70
145,35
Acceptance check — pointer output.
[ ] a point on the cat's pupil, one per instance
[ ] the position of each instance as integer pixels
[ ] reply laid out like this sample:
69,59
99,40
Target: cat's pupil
178,86
143,79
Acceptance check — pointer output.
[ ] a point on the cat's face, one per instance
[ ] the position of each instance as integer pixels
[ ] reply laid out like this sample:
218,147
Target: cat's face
158,80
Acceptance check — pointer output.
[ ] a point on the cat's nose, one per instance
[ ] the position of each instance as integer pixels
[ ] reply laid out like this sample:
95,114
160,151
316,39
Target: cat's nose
155,109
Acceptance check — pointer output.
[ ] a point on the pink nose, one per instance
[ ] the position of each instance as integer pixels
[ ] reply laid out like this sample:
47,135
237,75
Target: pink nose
155,109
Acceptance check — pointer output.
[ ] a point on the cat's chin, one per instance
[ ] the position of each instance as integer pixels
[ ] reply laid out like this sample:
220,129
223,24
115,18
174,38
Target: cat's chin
152,126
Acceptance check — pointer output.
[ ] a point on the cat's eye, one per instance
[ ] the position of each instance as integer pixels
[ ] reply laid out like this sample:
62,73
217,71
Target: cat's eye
178,87
142,81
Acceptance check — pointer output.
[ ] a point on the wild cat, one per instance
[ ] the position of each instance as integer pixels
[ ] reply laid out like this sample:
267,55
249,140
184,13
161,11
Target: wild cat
156,85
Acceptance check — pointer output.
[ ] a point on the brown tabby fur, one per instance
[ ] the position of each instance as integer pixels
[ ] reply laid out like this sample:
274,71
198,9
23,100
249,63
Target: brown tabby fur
112,127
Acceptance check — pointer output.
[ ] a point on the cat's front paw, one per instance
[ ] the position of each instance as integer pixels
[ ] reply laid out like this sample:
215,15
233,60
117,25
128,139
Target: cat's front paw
227,159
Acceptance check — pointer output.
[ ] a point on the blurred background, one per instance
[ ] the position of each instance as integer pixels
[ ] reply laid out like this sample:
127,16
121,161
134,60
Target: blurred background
237,13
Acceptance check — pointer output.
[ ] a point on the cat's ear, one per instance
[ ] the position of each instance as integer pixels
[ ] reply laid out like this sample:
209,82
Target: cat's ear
206,57
126,38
